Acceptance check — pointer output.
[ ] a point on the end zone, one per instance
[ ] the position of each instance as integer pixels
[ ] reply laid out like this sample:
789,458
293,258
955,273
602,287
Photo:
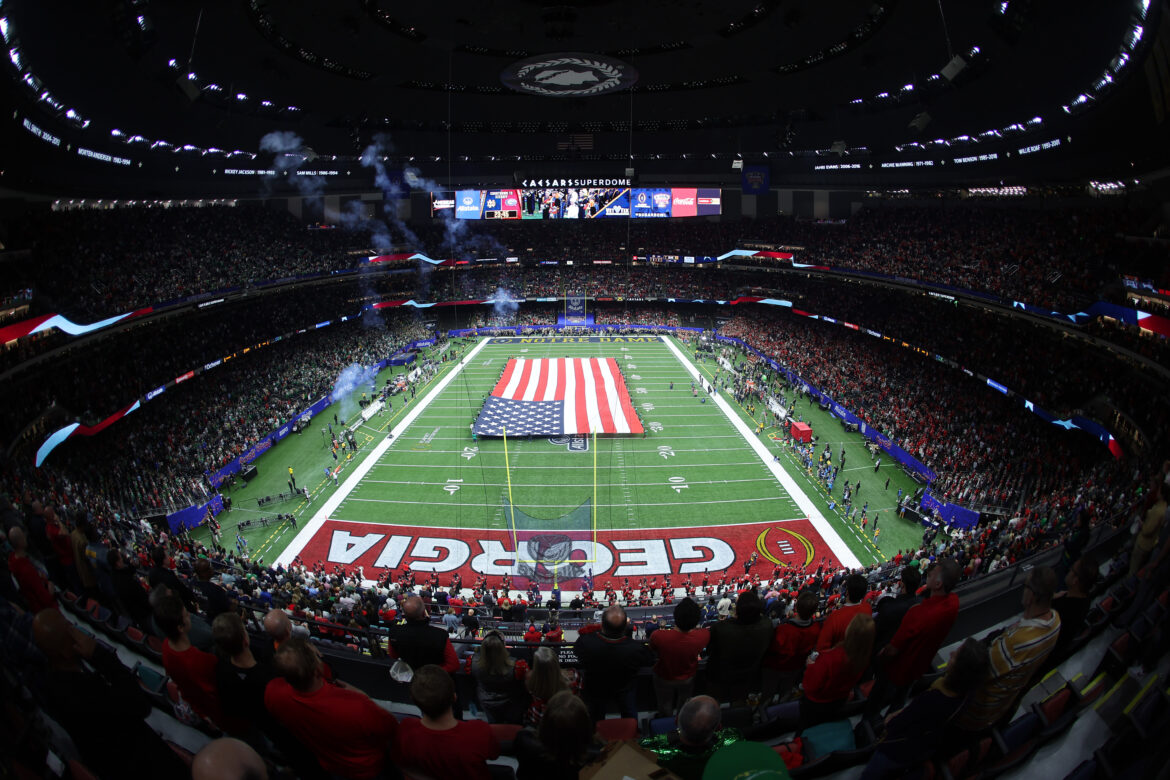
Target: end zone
651,552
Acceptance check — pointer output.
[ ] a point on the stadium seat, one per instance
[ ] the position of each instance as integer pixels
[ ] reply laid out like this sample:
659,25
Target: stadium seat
153,647
135,639
617,729
154,685
738,717
1091,692
98,616
1015,744
116,626
652,727
1058,712
70,599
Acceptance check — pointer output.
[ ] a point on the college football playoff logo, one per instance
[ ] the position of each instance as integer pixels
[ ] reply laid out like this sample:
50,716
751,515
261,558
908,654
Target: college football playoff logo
569,75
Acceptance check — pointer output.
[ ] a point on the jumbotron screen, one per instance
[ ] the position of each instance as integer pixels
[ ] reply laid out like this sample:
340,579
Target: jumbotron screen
578,203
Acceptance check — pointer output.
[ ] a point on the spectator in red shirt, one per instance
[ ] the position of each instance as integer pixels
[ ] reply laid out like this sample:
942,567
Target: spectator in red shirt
831,675
533,635
833,630
792,641
437,744
921,632
192,669
678,651
555,633
347,732
34,586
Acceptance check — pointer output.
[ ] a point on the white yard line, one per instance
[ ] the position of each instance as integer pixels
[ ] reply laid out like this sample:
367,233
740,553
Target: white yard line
354,479
835,542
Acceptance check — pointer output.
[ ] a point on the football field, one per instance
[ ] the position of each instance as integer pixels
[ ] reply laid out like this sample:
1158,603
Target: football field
699,490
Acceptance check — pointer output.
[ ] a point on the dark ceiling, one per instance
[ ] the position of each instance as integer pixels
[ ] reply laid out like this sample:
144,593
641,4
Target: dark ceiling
786,78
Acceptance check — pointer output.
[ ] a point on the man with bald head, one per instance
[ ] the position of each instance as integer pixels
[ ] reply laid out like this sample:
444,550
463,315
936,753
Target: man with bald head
611,659
228,759
417,642
686,750
278,627
34,586
98,701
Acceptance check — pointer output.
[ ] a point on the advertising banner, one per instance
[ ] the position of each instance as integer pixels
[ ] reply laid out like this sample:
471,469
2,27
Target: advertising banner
651,202
194,516
952,514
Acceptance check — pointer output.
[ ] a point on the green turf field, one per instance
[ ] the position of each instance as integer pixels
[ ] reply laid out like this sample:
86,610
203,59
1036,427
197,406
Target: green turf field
693,468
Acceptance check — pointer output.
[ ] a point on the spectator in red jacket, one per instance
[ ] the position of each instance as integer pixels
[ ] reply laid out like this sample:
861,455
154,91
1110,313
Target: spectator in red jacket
833,630
678,651
437,744
919,636
832,674
347,732
192,669
792,641
34,586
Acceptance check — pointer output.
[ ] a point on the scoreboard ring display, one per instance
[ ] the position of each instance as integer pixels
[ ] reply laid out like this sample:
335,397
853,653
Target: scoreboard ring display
563,202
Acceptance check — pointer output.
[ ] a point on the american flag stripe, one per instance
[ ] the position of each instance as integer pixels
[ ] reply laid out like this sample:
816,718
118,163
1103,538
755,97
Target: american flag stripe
607,368
628,411
505,378
556,381
596,422
590,393
603,399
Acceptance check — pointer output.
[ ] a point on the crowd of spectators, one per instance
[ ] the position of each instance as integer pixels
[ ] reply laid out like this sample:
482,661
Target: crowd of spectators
984,448
119,260
158,456
244,645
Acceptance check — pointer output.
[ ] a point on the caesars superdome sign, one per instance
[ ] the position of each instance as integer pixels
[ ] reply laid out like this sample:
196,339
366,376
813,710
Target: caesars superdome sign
569,74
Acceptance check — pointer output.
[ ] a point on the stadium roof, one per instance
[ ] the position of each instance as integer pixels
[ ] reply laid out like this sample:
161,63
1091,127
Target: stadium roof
785,79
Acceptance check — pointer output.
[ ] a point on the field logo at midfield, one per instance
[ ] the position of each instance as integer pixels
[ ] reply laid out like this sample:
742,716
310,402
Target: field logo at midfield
572,443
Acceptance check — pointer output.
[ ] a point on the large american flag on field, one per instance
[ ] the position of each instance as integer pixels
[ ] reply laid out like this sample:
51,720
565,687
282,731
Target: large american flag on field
558,397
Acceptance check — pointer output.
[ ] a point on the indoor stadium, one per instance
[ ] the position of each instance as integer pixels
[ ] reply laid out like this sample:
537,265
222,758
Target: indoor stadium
585,390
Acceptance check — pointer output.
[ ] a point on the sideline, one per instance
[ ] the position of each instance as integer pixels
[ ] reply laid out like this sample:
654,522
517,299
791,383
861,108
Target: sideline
831,537
309,530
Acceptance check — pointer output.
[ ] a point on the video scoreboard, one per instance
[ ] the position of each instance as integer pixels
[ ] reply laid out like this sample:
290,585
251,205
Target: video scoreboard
579,203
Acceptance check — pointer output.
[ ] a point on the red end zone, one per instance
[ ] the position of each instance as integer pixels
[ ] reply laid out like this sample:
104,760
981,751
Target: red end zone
636,553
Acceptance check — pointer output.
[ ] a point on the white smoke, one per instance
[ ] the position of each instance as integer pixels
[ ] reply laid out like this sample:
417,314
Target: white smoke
289,153
502,303
352,379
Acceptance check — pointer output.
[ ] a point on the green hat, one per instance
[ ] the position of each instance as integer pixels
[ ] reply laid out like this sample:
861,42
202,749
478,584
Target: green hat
746,761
